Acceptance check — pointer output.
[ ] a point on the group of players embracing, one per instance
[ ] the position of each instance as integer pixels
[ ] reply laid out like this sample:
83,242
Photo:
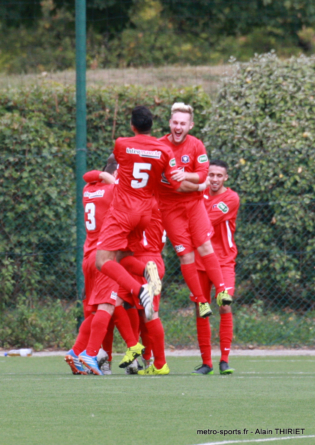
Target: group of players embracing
149,188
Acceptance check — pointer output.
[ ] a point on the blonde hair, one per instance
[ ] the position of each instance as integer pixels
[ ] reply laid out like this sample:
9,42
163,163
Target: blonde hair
183,108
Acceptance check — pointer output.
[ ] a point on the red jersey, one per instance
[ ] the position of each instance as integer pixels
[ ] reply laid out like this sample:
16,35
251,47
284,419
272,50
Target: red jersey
222,210
97,198
191,156
142,159
154,236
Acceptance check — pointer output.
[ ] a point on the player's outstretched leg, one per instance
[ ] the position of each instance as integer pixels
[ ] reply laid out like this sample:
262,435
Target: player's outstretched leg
151,274
146,296
73,361
131,354
225,369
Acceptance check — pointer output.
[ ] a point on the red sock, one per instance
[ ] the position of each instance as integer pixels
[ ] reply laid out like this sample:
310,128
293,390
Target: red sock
204,340
119,274
123,324
108,339
98,330
214,272
133,265
156,332
133,315
190,275
146,340
226,335
83,335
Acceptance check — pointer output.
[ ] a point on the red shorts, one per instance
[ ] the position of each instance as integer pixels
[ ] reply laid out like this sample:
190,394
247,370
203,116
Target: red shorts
121,228
89,272
132,299
104,291
228,273
187,225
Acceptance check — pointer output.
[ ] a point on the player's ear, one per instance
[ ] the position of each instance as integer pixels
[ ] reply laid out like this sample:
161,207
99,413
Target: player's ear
226,177
192,123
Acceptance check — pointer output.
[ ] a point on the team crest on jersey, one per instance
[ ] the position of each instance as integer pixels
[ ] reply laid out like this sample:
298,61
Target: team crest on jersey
223,207
202,158
185,159
172,162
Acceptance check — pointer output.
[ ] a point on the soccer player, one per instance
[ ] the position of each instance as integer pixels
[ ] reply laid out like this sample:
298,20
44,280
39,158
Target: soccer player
142,159
184,215
222,205
101,291
152,331
97,197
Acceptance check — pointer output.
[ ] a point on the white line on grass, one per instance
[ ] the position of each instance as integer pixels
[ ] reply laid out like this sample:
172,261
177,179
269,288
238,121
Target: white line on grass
272,439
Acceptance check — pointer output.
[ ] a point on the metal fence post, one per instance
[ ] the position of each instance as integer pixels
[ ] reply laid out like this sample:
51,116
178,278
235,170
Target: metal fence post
80,7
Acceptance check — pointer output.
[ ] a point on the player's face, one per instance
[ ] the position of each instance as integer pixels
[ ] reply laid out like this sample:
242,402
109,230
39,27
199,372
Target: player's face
217,176
180,125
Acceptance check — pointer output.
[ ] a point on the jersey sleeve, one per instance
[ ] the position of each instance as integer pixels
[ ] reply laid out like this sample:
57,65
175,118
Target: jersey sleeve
170,168
225,209
201,162
92,176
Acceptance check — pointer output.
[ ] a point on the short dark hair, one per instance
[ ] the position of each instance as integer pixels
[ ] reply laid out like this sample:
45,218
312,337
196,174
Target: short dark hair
142,119
219,163
111,165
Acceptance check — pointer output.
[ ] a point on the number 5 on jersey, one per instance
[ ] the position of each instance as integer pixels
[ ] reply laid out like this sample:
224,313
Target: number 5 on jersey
140,175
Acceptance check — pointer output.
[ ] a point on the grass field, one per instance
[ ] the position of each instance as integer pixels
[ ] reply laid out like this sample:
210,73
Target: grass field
43,403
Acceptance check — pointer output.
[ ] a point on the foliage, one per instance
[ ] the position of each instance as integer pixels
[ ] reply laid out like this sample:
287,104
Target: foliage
257,327
48,46
261,125
38,324
40,36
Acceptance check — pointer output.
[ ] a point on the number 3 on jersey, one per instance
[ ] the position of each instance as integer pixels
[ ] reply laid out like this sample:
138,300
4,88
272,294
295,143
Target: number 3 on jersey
139,173
90,222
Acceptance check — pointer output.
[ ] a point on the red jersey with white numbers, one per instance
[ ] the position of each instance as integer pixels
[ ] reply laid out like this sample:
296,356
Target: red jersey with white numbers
222,210
142,159
191,156
97,198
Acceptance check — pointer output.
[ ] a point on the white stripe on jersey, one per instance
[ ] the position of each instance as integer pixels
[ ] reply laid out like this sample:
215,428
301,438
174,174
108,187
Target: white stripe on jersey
229,233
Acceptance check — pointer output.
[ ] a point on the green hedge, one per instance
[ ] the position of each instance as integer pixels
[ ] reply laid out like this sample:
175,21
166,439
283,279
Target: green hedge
262,124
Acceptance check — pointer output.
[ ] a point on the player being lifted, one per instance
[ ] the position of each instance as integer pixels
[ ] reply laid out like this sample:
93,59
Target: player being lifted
142,159
184,215
222,205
